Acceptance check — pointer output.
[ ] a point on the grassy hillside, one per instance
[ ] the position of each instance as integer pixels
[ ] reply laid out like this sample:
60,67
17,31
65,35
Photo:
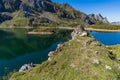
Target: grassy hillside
80,59
115,49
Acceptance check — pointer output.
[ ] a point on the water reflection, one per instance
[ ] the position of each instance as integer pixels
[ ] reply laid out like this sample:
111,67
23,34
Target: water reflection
18,48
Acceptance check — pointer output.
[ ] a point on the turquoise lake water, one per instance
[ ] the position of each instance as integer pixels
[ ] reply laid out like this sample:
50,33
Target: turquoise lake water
17,48
107,38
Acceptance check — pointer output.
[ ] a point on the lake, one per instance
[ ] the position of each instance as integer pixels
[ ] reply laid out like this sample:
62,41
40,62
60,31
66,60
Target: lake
18,48
107,38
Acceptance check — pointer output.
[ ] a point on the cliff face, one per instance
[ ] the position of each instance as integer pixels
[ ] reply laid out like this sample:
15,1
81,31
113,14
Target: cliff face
39,12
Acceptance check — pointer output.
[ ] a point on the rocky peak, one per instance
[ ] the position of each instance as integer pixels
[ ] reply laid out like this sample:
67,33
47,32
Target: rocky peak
98,17
115,23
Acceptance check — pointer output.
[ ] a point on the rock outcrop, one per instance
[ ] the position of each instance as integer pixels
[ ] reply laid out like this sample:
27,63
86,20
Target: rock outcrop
26,67
52,53
79,31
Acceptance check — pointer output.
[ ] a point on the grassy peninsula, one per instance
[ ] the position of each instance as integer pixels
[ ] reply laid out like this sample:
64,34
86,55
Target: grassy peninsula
80,59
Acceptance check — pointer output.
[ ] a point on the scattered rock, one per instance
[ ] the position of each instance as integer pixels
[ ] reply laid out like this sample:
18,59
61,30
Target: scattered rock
119,66
96,61
115,79
96,52
111,55
26,67
87,42
118,59
72,65
108,67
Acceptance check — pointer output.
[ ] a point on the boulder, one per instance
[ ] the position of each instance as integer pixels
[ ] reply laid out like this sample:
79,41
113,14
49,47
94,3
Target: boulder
96,61
83,34
26,67
59,48
108,67
51,53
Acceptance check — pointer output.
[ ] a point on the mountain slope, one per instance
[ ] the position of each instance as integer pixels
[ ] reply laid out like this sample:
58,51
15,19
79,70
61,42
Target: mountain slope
43,12
81,58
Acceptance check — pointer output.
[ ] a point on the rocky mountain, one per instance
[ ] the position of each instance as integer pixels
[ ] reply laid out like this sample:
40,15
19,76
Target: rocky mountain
43,12
98,18
115,23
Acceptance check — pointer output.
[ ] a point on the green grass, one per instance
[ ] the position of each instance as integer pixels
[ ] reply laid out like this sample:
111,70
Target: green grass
75,62
19,21
106,26
115,49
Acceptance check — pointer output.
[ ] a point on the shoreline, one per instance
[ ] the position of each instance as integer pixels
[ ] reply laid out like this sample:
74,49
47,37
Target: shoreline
102,30
69,28
40,33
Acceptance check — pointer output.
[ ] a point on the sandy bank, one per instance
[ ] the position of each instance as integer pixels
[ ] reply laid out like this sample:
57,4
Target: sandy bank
40,32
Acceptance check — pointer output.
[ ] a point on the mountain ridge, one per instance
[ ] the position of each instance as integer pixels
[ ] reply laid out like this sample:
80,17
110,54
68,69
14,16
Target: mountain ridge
43,12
